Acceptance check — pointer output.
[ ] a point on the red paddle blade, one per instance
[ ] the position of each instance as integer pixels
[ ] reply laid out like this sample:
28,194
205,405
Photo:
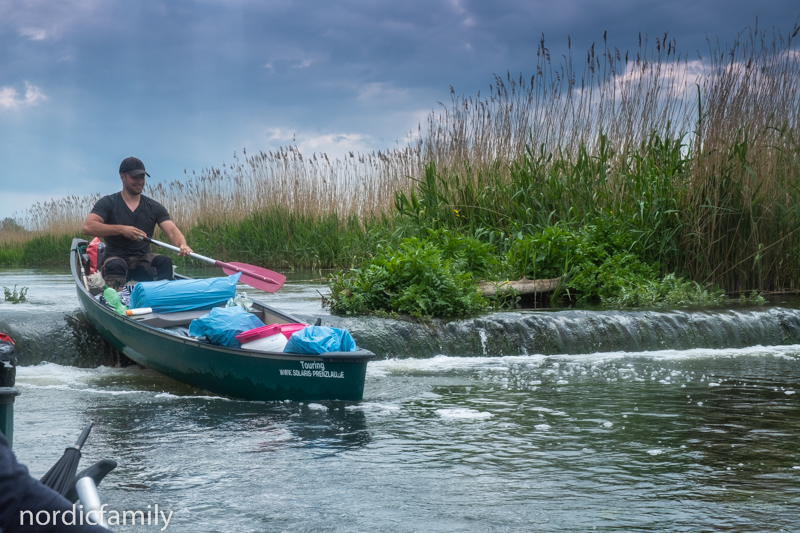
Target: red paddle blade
256,277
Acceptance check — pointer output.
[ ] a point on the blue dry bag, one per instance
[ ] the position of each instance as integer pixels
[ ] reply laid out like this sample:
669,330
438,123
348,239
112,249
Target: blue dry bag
183,294
320,339
222,325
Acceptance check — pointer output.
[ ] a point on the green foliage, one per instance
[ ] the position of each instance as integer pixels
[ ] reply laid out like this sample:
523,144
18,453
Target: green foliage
44,250
12,256
668,291
279,238
416,279
15,297
478,258
754,297
592,258
596,265
610,225
549,253
607,280
641,195
47,250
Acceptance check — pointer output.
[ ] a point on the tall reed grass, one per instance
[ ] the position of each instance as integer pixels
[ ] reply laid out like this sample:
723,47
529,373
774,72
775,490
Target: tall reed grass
701,156
279,237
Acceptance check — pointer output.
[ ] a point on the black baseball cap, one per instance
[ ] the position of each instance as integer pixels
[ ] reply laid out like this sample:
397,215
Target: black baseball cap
132,166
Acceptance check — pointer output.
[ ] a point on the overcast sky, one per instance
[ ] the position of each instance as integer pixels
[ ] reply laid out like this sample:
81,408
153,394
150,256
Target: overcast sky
183,84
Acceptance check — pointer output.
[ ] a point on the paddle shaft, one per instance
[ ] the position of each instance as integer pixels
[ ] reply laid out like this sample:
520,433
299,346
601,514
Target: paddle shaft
83,436
213,261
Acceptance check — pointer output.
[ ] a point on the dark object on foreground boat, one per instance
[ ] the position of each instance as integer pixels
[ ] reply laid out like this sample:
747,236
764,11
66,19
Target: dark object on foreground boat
22,498
8,392
161,341
97,472
61,476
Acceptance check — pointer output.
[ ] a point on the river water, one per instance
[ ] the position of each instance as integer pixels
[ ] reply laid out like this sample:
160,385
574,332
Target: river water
618,432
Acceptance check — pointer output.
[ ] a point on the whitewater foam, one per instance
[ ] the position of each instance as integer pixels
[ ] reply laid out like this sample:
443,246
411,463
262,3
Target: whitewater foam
441,363
462,413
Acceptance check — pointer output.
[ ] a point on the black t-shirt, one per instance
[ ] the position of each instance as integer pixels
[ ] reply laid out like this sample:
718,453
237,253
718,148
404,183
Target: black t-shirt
113,210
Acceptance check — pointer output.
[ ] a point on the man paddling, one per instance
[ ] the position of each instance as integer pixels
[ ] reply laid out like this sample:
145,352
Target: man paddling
121,219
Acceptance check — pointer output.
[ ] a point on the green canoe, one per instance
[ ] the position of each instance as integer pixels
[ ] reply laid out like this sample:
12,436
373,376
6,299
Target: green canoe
155,341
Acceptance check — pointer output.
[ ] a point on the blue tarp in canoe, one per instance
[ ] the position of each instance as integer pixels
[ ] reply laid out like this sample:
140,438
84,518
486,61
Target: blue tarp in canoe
222,325
320,339
183,294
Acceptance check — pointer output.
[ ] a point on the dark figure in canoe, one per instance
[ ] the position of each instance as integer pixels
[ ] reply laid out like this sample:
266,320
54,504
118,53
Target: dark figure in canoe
121,219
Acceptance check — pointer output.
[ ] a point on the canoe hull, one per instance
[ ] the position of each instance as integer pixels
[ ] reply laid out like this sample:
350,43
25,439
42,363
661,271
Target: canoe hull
230,371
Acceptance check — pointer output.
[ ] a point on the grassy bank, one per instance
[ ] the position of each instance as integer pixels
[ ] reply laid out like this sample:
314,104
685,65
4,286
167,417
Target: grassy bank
40,250
279,238
637,178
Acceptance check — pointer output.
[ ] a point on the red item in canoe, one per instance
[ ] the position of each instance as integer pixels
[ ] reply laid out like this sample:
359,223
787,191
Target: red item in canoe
258,333
288,329
268,331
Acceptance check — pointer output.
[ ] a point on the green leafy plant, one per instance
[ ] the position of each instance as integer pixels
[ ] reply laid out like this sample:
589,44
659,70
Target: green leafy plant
416,279
668,291
478,258
549,253
15,296
754,297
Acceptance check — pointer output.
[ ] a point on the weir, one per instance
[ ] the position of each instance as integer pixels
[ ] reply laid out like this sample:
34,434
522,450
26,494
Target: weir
64,337
59,337
578,332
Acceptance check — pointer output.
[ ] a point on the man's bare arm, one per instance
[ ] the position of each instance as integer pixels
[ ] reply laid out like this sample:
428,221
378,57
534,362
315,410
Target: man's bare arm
176,238
95,226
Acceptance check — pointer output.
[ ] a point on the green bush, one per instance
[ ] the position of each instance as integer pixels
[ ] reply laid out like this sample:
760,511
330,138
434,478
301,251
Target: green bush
478,258
416,279
668,291
11,256
607,280
599,262
550,253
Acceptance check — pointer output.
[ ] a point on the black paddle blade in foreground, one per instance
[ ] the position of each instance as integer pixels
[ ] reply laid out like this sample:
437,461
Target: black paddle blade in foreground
60,477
